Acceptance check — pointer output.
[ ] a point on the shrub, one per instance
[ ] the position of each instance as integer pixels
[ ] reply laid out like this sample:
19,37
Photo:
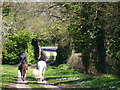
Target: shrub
63,53
81,63
63,66
75,62
14,44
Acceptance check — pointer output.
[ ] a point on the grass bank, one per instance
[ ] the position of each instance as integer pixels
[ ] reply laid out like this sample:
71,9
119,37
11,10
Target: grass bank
62,76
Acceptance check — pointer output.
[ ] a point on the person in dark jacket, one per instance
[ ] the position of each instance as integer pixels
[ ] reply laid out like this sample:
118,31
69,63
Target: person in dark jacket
23,59
42,57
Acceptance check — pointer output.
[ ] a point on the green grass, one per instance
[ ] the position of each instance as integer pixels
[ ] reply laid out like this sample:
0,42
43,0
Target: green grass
10,75
107,81
61,76
65,77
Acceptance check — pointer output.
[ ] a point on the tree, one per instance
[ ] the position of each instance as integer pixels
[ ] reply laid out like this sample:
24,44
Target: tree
89,23
87,28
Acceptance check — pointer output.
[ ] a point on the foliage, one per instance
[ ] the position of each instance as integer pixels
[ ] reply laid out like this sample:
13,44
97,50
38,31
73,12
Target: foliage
75,62
82,28
90,27
41,16
36,48
63,53
14,44
63,66
30,54
86,27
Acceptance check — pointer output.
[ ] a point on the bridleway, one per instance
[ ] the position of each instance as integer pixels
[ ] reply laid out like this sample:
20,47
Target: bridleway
48,85
45,84
21,84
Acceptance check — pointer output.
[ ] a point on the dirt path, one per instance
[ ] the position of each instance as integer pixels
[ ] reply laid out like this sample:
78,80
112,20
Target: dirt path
21,84
48,85
45,83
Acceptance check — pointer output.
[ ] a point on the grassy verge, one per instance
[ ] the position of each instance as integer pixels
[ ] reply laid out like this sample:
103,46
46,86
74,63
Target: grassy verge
65,77
10,75
103,81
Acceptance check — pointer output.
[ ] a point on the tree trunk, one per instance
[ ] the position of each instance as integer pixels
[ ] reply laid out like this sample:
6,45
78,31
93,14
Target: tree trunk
100,48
